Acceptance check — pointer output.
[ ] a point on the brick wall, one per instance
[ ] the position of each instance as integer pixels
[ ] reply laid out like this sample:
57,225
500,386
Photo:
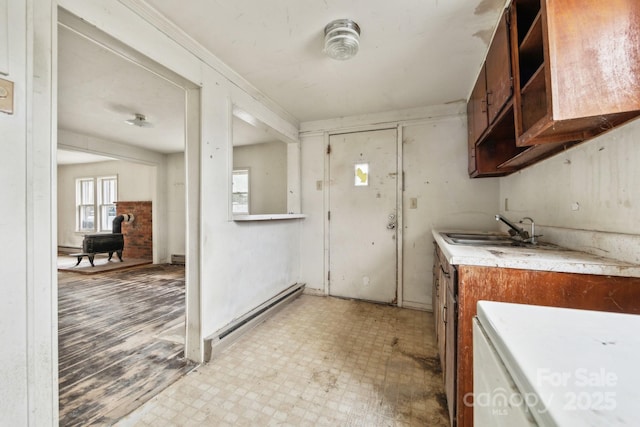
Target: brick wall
138,235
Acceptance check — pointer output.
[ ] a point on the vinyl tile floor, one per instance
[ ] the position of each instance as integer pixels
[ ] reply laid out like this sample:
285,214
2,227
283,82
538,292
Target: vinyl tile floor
320,361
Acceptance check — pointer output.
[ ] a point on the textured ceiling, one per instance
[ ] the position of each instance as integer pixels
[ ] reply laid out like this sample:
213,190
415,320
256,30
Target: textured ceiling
413,53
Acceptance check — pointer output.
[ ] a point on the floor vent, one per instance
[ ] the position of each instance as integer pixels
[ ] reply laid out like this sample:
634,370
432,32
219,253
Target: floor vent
226,336
178,259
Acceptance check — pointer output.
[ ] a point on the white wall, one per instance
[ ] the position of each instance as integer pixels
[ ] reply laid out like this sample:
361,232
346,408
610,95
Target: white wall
434,158
176,205
600,178
225,285
28,306
267,163
435,165
235,267
136,182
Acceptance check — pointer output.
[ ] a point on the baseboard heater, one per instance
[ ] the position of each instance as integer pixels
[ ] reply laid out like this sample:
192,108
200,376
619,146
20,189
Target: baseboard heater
226,336
178,259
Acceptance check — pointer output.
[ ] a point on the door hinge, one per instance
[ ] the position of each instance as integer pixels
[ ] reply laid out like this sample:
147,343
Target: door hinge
329,215
328,275
328,148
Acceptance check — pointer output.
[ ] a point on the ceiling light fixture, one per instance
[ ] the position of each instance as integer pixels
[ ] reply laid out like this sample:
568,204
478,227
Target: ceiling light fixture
140,120
341,39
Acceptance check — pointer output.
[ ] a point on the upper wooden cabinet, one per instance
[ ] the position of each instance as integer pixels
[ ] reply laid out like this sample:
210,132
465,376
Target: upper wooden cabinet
493,87
578,67
576,73
489,110
498,70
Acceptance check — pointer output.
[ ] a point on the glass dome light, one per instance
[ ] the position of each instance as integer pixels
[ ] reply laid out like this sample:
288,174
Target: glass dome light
341,39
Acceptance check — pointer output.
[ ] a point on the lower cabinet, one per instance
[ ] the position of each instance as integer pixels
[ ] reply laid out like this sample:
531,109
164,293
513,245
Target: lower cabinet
458,288
446,319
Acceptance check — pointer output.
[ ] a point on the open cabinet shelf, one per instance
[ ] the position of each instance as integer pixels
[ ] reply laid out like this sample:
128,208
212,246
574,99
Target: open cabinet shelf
563,93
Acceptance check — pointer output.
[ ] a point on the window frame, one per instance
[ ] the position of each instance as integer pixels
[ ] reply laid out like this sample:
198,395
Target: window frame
97,203
247,172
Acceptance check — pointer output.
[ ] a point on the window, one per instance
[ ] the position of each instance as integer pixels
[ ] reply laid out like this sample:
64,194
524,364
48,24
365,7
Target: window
85,202
361,174
240,191
106,202
95,203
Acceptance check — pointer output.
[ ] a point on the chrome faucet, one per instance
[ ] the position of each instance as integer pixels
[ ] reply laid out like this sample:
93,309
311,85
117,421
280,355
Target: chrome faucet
514,229
532,239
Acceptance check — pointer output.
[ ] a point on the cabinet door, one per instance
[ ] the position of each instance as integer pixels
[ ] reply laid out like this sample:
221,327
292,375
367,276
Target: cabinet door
435,288
451,340
498,70
471,140
442,332
478,107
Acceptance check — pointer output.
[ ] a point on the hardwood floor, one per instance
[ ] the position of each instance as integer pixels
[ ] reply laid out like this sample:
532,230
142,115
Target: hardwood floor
112,354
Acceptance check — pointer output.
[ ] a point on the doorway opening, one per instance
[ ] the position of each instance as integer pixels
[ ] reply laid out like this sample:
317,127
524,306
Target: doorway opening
102,84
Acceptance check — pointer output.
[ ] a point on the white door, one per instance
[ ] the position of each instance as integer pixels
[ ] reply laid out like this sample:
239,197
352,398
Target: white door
362,215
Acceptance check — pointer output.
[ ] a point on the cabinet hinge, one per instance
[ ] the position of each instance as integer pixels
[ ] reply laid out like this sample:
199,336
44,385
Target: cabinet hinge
328,148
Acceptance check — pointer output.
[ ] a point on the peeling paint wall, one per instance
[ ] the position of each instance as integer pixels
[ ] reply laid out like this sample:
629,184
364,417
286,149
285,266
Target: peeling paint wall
437,184
594,187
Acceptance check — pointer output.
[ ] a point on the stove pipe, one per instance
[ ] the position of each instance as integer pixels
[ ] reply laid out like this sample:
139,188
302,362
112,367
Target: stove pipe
117,222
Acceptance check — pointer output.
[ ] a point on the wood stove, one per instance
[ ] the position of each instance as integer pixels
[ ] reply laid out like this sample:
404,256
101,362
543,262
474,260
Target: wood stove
93,244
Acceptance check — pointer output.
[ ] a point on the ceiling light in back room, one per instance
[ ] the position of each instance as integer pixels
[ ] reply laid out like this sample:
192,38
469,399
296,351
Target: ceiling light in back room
341,39
140,120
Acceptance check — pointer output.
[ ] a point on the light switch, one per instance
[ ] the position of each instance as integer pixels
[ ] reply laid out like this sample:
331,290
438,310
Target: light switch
319,185
6,96
413,203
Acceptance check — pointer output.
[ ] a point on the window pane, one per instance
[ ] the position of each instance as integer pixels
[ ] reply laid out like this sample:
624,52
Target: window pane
107,215
361,174
86,192
240,203
240,181
87,218
240,191
108,187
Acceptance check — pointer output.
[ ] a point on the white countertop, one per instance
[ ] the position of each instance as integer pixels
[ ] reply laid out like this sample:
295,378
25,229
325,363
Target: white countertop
528,258
572,367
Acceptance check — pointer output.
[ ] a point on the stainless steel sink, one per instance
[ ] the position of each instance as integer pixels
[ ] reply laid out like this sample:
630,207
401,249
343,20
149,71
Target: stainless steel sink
477,239
485,239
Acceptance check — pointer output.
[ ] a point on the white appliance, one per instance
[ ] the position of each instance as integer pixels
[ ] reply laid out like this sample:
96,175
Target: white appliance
549,366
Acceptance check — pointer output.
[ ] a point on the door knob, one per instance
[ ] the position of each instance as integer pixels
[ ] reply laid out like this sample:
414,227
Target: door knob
392,222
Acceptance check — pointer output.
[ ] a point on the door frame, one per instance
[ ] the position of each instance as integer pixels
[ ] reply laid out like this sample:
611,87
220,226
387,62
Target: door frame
194,348
399,198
